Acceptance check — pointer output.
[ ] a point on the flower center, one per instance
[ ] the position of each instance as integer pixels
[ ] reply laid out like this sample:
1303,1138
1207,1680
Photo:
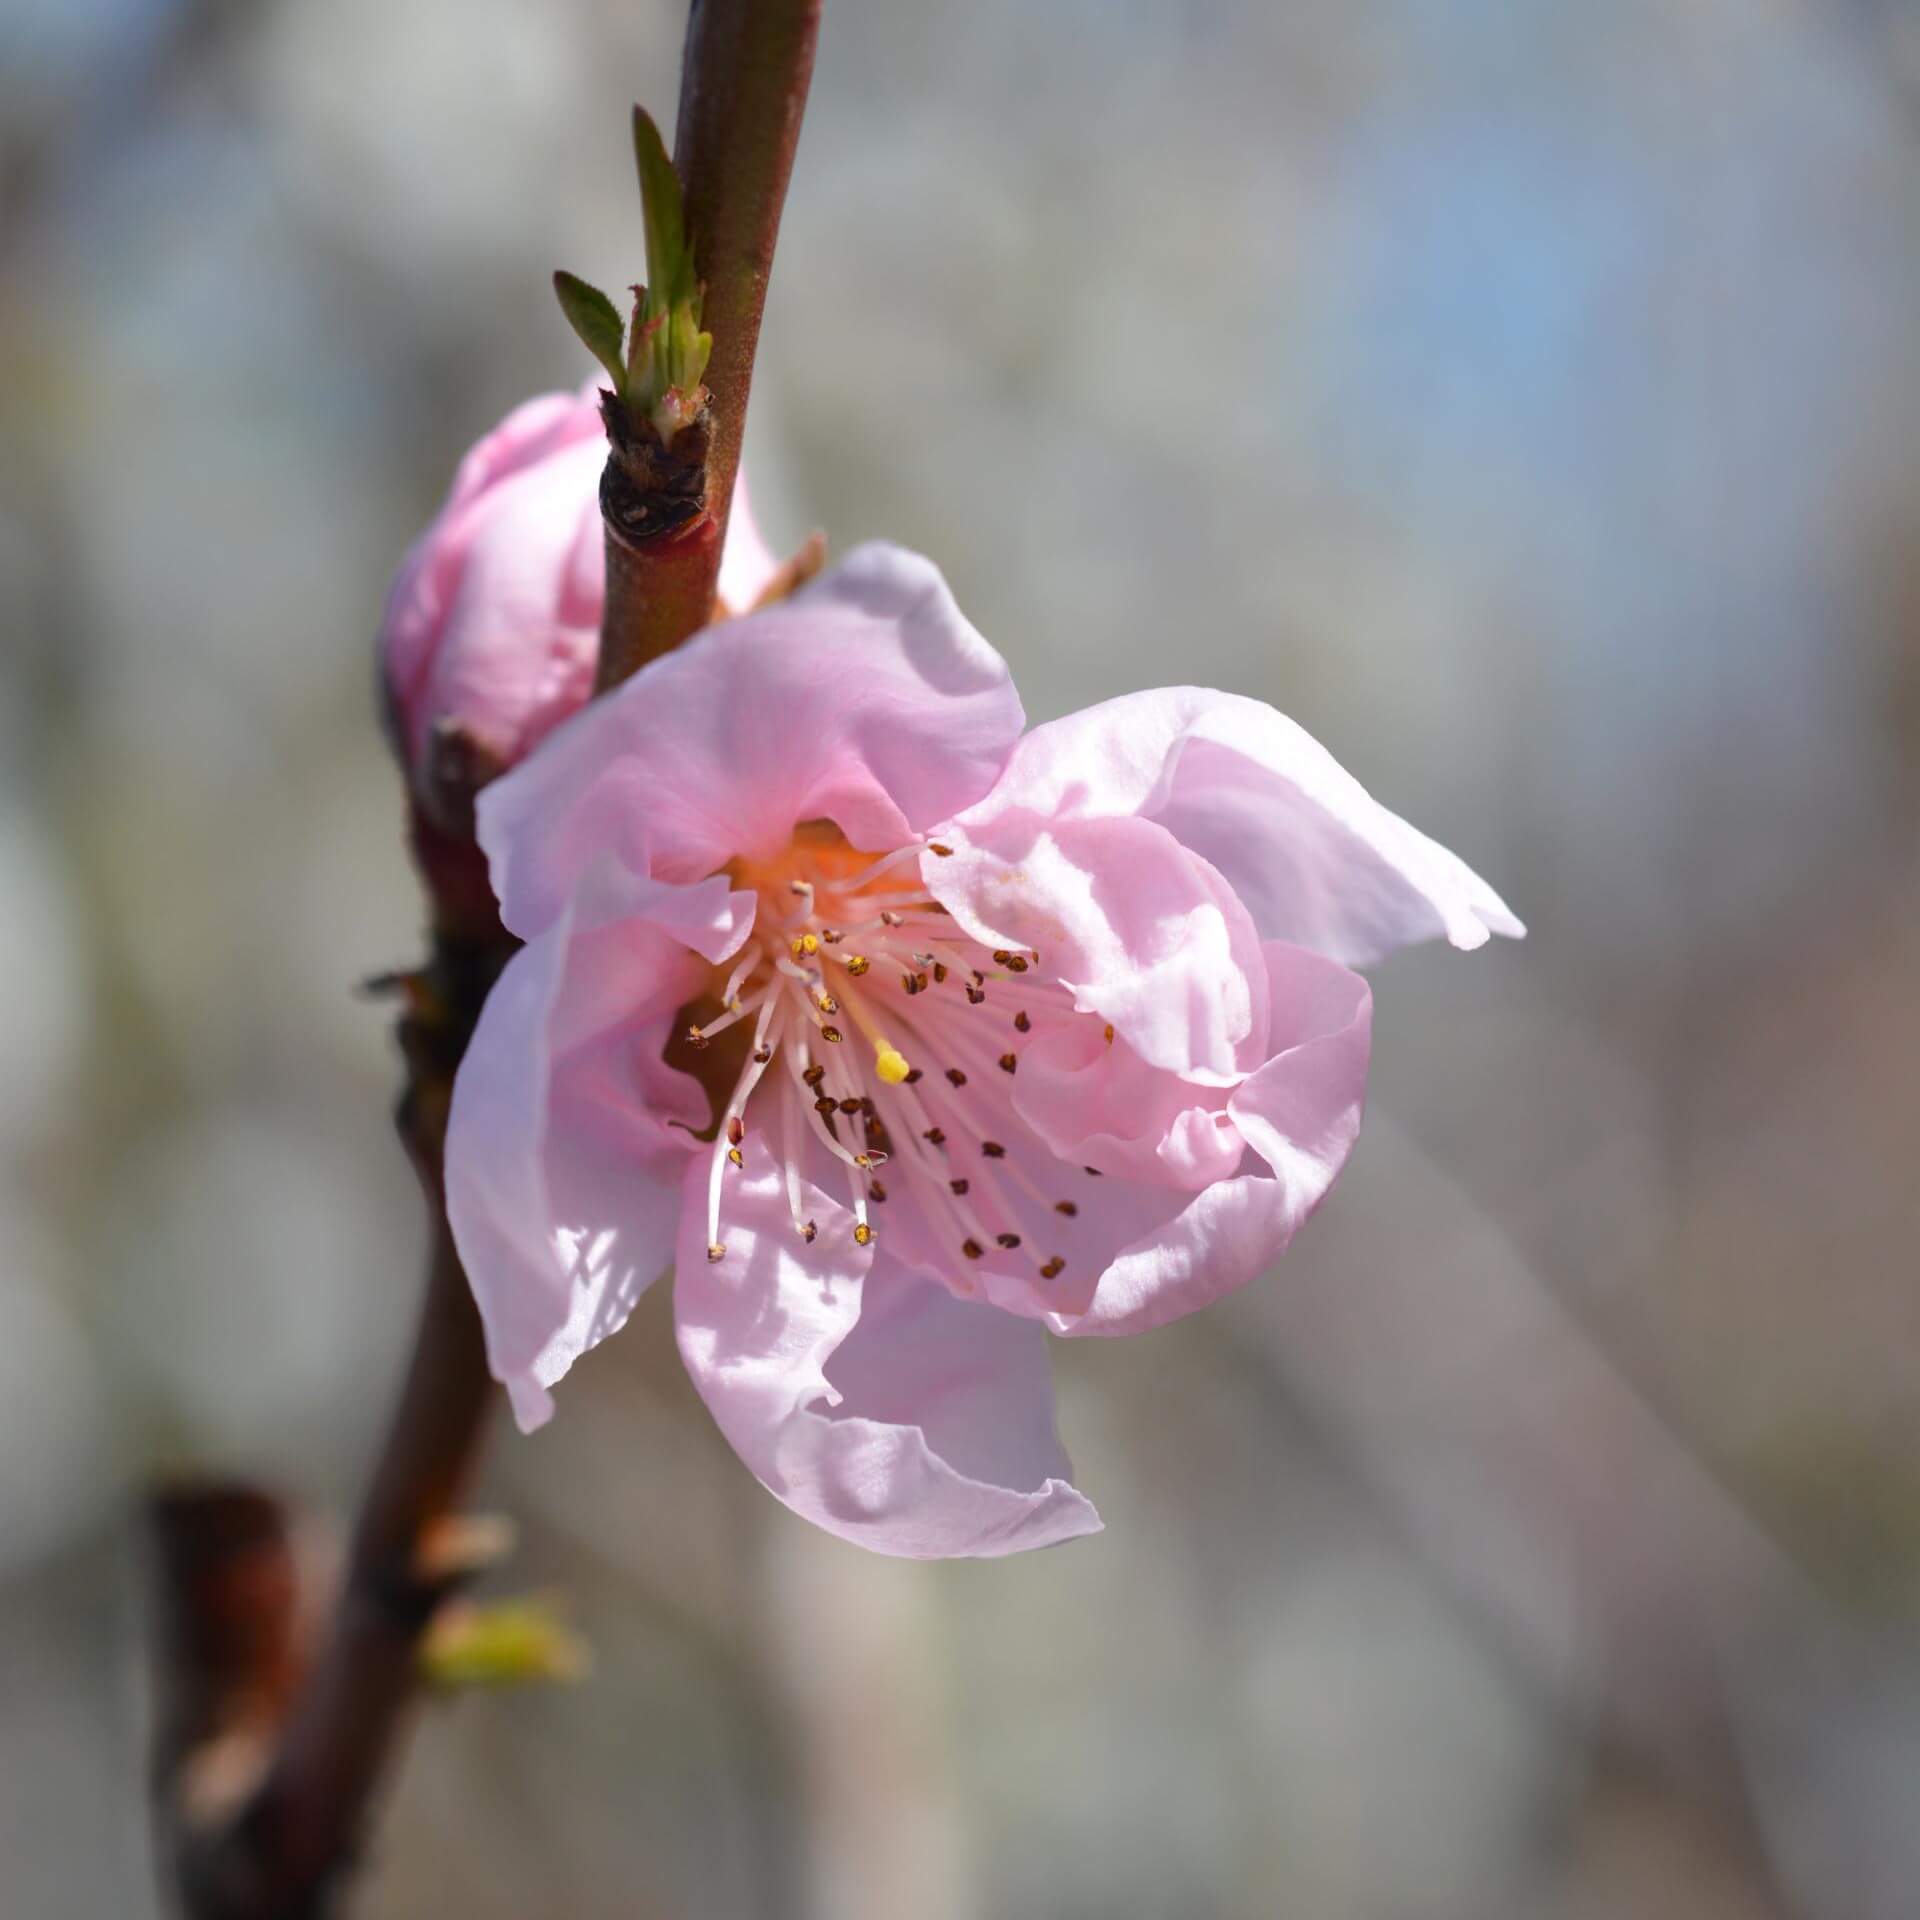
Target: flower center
875,1024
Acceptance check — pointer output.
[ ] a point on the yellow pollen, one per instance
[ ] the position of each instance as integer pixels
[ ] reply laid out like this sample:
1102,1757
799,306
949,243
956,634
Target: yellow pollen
809,943
863,1234
890,1063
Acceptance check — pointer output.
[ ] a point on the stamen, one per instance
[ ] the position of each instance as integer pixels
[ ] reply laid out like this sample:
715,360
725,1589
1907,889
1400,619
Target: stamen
862,1234
1007,1240
715,1251
993,1149
1009,1061
750,957
1021,1024
890,1064
1053,1269
857,964
1067,1207
862,880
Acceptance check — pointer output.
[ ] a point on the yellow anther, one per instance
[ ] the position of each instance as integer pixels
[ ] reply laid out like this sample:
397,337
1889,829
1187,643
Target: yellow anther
857,964
890,1063
809,943
863,1234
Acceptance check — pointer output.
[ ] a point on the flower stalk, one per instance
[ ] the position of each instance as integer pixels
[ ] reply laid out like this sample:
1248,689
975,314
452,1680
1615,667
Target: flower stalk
677,408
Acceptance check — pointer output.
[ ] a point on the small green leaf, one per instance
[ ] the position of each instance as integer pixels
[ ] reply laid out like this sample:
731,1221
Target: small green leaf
503,1643
669,260
596,320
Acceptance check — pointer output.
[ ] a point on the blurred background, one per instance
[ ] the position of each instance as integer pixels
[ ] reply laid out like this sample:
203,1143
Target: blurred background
1525,398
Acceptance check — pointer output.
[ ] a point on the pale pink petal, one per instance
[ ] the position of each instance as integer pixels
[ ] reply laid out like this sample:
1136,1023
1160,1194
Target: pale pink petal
1300,1114
1315,859
522,631
865,699
747,566
563,1156
868,1401
1142,932
1096,1102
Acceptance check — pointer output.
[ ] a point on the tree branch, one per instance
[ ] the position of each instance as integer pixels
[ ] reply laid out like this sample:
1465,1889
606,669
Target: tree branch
743,90
267,1763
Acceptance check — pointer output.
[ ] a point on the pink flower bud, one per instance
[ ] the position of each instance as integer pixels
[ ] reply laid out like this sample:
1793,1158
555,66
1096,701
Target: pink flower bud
492,628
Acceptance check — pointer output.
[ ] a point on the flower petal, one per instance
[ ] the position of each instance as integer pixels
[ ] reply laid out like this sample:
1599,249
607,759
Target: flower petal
866,699
1299,1113
1096,1102
1316,860
864,1398
1142,932
562,1167
494,618
747,565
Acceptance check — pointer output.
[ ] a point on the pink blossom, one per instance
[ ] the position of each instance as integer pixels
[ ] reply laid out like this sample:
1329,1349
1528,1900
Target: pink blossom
492,627
1007,1035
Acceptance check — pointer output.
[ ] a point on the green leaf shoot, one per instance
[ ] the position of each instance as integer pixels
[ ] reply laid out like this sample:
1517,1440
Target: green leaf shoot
596,320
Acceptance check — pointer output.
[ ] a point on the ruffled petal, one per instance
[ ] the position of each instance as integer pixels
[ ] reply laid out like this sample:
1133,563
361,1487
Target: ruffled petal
1299,1113
865,699
865,1399
1096,1102
1316,860
1142,932
563,1153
